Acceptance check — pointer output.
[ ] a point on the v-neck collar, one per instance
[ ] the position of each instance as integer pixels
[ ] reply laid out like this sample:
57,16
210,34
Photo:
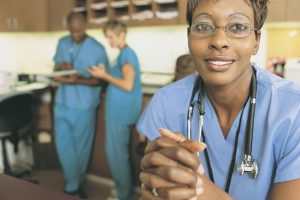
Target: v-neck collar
212,126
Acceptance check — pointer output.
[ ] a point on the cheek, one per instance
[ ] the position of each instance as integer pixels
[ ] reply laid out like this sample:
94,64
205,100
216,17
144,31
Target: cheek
245,49
196,46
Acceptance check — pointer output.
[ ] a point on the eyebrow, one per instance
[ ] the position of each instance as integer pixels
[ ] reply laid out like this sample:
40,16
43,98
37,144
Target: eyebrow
237,15
207,15
202,14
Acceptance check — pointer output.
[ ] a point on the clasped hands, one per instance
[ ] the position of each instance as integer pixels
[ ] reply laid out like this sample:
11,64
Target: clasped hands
171,169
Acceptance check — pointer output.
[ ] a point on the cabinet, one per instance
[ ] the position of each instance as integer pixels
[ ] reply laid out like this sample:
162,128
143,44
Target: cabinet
50,15
280,11
34,15
58,11
276,12
26,15
134,12
292,10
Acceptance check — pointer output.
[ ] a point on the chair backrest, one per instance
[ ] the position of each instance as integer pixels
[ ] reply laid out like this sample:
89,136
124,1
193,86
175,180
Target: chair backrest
16,114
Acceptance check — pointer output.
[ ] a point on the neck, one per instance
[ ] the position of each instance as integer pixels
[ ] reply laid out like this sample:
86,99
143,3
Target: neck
228,101
122,44
81,39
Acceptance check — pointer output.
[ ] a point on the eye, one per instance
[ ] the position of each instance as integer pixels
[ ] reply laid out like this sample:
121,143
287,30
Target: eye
238,27
202,28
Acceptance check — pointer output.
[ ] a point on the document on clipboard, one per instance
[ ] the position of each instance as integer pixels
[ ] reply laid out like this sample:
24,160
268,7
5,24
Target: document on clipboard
62,73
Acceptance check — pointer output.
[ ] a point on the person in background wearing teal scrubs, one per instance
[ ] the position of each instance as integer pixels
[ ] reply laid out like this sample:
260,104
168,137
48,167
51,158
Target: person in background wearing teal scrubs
123,104
76,101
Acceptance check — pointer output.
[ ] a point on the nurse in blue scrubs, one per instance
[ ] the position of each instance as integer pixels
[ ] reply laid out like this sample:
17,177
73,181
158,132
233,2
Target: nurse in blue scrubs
76,101
123,105
222,37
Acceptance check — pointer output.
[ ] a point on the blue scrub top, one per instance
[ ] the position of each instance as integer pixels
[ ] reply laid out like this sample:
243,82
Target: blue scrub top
81,56
276,135
121,106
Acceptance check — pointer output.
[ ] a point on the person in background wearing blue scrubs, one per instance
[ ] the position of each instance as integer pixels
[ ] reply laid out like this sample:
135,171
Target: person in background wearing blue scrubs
123,104
222,37
76,101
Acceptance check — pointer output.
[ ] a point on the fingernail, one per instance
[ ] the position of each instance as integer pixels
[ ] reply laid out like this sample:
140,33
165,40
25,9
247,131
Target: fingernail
199,190
200,169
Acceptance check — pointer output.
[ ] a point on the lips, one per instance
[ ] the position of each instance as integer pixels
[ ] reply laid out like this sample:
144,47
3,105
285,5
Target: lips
219,64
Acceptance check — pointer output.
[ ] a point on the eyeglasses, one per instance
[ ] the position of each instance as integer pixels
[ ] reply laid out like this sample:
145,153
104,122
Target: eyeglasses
233,30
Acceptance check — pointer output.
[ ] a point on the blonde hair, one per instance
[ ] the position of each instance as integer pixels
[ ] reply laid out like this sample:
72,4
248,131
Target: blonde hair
116,25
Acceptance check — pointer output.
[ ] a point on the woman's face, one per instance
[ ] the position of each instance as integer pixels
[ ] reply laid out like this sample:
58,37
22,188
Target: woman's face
113,38
221,59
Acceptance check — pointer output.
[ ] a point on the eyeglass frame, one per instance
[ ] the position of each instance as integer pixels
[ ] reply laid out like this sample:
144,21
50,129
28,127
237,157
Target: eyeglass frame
225,29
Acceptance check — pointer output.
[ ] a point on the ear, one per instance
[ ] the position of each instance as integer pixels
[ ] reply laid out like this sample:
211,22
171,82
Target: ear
257,42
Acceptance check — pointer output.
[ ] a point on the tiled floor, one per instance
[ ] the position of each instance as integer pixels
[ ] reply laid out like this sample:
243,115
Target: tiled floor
96,188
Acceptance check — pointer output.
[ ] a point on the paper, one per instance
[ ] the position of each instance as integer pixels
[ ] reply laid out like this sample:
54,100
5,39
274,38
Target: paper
167,14
165,1
99,5
32,86
62,73
142,2
146,14
119,4
99,20
79,9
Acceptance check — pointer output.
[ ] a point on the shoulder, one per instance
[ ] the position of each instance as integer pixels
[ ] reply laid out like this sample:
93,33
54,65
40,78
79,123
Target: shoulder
179,90
128,51
277,85
65,39
92,41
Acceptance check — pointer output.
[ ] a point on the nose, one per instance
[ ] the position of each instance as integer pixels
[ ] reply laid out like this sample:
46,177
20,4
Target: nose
219,40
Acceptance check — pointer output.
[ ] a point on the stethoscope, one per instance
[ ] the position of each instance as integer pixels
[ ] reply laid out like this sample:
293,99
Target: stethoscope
248,164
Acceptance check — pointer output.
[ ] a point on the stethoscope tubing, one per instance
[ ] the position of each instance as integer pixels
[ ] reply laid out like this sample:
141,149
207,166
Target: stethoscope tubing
248,161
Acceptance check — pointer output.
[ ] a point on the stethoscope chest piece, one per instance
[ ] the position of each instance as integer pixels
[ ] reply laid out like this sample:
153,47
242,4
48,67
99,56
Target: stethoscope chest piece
249,166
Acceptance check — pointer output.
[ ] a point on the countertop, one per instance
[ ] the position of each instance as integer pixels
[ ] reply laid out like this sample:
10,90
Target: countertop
154,81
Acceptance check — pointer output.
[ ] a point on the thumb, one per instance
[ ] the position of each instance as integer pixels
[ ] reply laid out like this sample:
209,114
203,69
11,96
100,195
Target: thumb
101,65
193,146
176,137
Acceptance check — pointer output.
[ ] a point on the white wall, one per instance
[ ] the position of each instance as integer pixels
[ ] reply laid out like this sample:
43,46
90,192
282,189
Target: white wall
157,48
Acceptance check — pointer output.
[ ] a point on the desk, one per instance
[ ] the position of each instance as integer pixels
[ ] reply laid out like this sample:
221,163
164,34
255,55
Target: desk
25,88
16,189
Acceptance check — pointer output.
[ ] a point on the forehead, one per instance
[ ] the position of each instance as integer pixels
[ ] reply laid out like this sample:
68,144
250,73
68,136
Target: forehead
110,32
224,9
77,27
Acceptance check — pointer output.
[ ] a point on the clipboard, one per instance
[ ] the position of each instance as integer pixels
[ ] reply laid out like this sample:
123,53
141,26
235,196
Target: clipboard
62,73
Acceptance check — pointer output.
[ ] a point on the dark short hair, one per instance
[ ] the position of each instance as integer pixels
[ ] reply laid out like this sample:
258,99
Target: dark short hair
116,25
76,17
260,8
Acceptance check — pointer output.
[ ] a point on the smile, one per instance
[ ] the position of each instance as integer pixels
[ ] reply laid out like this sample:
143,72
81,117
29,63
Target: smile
219,65
220,62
